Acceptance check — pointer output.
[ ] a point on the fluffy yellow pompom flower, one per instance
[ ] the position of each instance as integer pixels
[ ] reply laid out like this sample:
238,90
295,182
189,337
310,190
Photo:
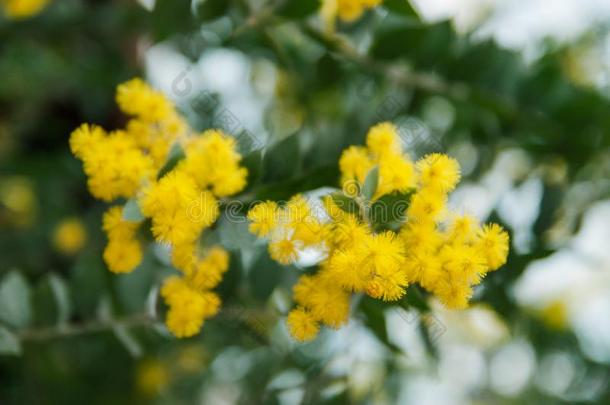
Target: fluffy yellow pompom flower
123,252
284,251
263,218
123,256
113,163
493,244
136,98
212,161
69,236
355,163
438,172
18,9
178,208
188,308
207,273
382,140
302,325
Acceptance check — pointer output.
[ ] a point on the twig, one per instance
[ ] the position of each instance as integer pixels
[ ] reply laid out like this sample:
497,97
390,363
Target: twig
68,330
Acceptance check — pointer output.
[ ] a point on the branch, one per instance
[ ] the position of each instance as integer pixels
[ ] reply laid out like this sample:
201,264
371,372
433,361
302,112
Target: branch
68,330
426,81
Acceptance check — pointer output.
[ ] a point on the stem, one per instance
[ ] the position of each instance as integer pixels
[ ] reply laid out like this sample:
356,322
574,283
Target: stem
68,330
401,76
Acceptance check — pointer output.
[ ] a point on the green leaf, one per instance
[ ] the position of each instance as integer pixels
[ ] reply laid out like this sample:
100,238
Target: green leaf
402,7
51,301
298,8
132,212
15,306
370,184
389,211
176,154
254,163
62,297
233,231
264,276
9,343
375,320
426,45
128,341
282,160
210,9
346,203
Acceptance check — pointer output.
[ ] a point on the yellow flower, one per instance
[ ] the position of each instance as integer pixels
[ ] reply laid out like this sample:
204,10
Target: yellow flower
346,10
284,250
207,273
188,308
555,315
453,294
115,226
439,172
302,325
178,208
181,204
264,218
426,206
493,244
382,140
123,256
114,165
152,377
17,197
69,236
355,164
395,174
212,161
18,9
444,253
137,98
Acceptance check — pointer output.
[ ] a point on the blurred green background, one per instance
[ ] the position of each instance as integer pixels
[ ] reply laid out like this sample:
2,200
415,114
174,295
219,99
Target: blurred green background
517,92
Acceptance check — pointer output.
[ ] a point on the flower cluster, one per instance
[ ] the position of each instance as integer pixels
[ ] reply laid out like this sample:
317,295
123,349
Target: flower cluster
345,10
18,9
444,252
179,195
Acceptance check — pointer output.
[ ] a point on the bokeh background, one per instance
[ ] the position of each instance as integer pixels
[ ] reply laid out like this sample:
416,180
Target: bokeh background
516,91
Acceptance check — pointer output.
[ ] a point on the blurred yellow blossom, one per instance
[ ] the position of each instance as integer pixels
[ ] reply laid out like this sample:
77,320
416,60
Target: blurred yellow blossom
69,236
17,201
345,10
152,377
18,9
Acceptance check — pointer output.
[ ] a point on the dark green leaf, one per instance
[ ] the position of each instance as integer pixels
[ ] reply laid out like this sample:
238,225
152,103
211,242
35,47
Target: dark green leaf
176,154
9,343
254,163
282,160
389,211
375,320
369,188
346,203
15,307
298,8
402,7
264,276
